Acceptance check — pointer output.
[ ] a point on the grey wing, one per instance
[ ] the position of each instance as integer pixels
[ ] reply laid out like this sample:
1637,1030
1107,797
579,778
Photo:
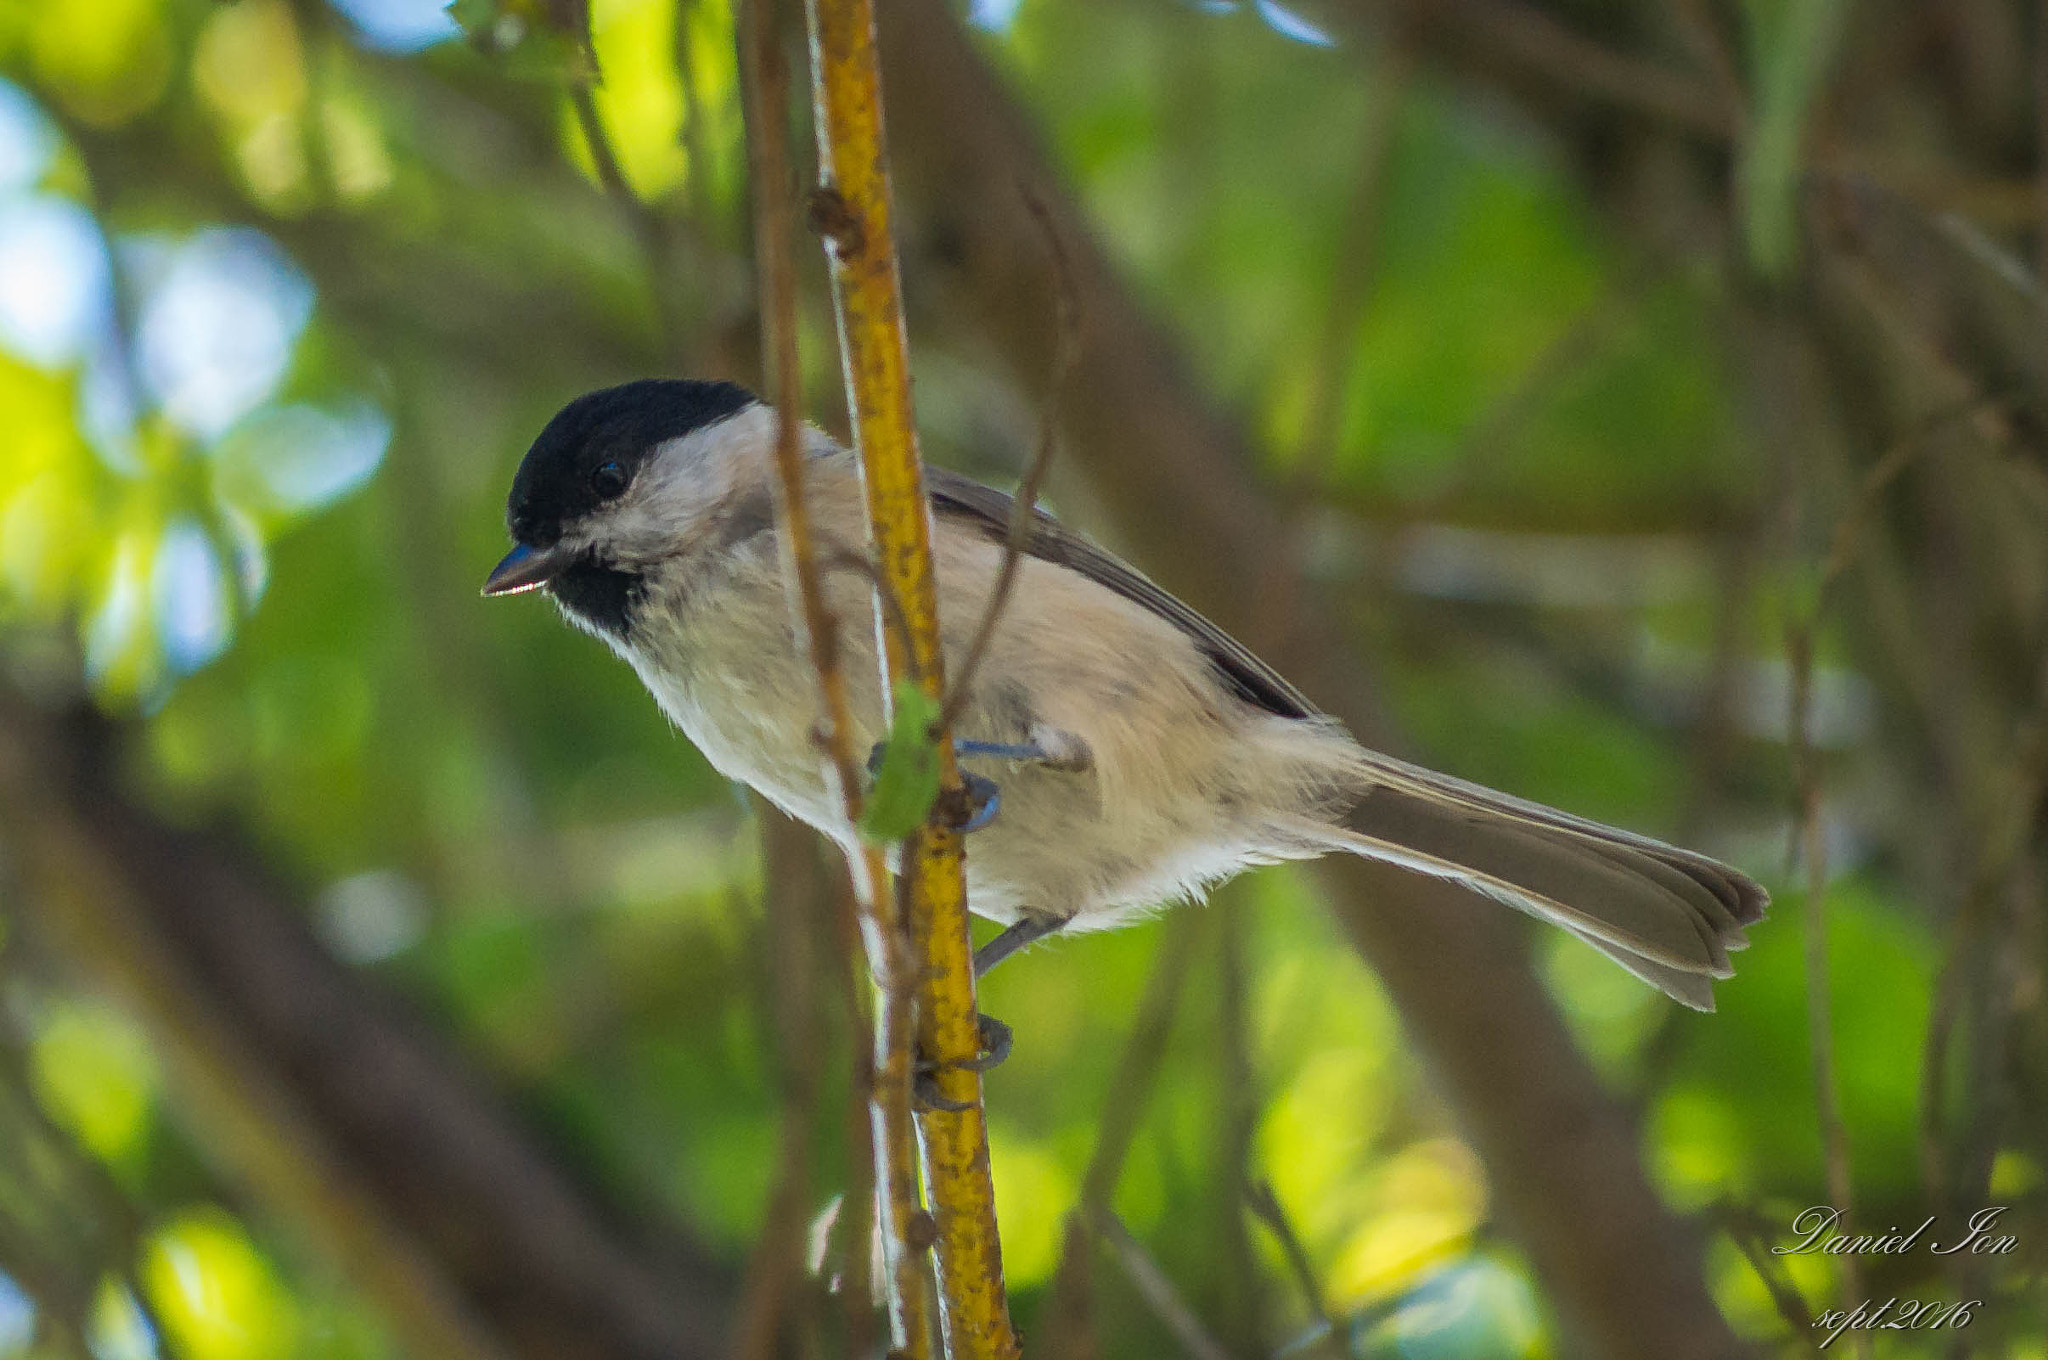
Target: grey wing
964,499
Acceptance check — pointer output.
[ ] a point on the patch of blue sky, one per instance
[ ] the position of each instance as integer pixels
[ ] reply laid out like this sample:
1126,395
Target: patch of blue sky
1288,24
1469,1308
107,409
994,15
17,1317
54,275
398,25
310,457
118,1330
219,319
190,598
27,141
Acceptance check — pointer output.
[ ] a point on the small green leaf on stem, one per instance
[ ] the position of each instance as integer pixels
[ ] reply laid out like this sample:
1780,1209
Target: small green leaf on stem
907,779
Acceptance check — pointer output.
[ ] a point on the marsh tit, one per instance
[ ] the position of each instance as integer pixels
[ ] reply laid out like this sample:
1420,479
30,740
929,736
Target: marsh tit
1140,753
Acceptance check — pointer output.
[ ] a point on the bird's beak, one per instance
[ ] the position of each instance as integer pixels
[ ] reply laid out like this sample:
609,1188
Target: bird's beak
526,568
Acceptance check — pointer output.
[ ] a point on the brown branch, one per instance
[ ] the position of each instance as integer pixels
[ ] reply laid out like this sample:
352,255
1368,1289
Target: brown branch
793,924
893,1140
867,291
337,1110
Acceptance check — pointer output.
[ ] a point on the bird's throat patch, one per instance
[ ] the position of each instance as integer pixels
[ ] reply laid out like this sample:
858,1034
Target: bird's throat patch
600,596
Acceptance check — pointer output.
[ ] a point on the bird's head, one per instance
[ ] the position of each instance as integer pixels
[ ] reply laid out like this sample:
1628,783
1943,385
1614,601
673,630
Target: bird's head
625,480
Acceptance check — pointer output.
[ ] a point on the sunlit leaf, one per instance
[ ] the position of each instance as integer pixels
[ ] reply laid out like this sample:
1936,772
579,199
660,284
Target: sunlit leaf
217,1294
94,1072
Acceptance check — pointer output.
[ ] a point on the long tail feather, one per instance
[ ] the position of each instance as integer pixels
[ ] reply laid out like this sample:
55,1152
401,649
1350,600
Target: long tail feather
1668,915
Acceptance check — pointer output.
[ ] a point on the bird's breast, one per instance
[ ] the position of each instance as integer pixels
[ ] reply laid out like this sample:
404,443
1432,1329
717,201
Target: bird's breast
723,661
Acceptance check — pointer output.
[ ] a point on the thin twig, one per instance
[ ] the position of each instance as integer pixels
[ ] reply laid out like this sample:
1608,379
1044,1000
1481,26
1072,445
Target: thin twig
1353,277
789,920
647,225
847,560
1156,1289
1130,1090
1834,1135
1742,1229
894,1138
1024,507
1244,1299
1811,845
598,142
2003,845
1266,1207
1844,546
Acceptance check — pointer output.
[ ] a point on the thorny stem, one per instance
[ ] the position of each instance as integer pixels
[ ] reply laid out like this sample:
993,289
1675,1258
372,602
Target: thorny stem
974,1311
886,946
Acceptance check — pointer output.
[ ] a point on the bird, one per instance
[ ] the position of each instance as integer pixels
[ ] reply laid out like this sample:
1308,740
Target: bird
1137,753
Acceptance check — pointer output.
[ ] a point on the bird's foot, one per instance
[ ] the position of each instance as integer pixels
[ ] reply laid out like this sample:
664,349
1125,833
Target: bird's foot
976,806
996,1039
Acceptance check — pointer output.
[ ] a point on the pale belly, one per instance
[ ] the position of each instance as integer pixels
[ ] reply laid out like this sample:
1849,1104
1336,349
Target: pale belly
746,695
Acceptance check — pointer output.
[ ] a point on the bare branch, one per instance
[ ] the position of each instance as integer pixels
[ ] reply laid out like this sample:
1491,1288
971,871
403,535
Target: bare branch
847,94
888,950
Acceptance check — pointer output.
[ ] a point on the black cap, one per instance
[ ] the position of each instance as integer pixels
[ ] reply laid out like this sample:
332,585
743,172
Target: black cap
559,480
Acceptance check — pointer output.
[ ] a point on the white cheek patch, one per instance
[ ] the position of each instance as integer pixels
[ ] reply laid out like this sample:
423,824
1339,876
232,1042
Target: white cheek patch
677,493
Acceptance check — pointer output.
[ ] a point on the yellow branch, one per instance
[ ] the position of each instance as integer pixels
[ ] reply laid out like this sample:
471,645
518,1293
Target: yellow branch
886,945
847,92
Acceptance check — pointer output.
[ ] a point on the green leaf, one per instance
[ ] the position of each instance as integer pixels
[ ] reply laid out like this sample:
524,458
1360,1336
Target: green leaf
907,780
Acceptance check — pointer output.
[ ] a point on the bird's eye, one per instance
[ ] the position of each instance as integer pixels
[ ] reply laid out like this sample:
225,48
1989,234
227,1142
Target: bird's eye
608,480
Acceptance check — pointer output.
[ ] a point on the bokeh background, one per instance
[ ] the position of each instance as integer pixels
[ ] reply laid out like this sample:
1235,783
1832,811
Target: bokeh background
1634,404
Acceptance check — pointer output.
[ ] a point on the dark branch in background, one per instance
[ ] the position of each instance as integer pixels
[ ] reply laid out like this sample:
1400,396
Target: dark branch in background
403,1163
1624,1274
1810,847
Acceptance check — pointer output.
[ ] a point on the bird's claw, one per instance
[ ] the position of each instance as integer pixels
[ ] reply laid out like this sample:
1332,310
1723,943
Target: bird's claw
981,802
996,1040
984,801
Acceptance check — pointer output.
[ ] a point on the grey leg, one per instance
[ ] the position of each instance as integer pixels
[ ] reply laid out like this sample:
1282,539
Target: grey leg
996,1037
1023,931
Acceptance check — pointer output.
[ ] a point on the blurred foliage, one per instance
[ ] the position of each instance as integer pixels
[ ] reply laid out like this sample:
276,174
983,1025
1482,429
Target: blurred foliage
284,291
